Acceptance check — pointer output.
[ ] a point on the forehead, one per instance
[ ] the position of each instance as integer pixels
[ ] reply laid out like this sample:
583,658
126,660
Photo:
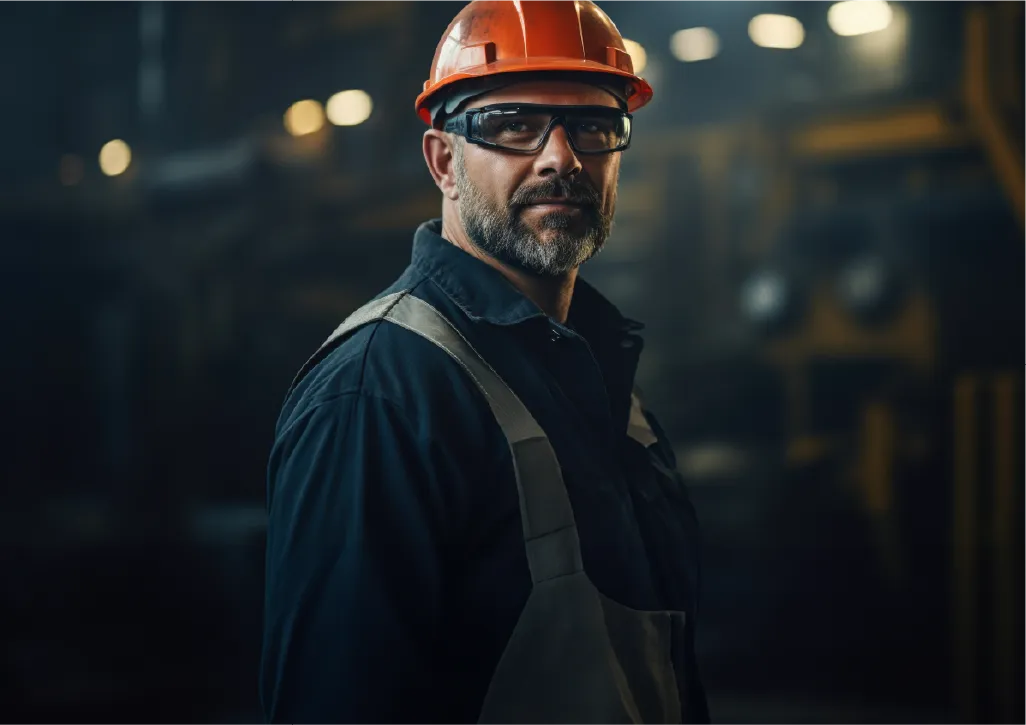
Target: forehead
556,93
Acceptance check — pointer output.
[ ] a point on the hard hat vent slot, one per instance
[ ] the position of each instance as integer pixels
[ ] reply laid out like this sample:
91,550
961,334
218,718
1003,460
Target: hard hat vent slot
619,59
476,55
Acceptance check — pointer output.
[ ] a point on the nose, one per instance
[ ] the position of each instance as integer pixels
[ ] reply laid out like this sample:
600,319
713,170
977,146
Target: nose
557,156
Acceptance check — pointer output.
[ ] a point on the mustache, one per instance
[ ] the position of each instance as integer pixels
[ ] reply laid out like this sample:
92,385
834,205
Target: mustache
574,192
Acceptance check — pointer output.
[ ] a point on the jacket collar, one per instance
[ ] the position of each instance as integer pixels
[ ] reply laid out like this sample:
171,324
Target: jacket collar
479,289
484,294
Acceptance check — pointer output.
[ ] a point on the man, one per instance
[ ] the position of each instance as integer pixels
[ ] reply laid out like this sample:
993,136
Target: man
471,517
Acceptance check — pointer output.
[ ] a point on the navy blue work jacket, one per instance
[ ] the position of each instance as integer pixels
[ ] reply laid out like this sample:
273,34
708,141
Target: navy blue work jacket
396,568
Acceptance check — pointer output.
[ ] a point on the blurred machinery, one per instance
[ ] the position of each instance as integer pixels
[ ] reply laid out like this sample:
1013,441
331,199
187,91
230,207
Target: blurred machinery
869,258
820,222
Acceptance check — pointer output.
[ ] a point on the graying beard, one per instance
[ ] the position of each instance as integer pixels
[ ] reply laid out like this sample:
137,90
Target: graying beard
509,241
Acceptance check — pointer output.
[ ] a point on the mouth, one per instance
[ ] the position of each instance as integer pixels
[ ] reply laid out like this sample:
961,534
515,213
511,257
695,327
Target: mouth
556,203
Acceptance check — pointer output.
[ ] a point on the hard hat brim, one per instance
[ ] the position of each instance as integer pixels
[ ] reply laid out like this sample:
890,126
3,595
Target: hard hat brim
641,91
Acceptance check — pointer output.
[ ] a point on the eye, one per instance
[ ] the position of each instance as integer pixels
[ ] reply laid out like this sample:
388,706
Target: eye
593,127
513,127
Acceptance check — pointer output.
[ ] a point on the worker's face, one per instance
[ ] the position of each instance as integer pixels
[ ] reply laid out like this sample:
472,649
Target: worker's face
498,190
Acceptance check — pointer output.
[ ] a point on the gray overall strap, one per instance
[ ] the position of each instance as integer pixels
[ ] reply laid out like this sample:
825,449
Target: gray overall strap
550,533
373,310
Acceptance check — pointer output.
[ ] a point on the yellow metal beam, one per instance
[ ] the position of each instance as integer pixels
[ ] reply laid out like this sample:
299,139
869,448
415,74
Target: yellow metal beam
916,127
878,443
1005,572
829,331
1004,158
1008,94
877,453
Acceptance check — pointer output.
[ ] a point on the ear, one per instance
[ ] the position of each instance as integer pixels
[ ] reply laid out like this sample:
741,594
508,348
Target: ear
438,156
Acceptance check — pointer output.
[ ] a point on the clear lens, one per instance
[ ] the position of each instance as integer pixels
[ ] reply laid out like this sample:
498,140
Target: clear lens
525,130
513,130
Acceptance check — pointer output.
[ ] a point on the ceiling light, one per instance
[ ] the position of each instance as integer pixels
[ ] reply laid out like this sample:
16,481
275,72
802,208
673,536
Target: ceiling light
694,44
776,31
349,108
304,117
115,156
858,17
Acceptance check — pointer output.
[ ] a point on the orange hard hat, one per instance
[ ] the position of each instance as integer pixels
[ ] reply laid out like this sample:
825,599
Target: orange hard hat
490,37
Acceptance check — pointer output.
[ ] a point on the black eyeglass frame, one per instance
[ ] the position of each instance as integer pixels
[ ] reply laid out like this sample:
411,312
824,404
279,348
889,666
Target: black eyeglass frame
465,124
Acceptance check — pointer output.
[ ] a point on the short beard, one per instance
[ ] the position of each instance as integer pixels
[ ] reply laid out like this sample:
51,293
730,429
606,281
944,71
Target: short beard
500,232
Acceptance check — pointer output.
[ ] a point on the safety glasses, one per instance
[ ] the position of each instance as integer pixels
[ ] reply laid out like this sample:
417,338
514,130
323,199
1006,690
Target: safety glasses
525,127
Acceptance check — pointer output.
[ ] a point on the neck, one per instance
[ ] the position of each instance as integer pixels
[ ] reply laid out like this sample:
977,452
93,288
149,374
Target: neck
552,295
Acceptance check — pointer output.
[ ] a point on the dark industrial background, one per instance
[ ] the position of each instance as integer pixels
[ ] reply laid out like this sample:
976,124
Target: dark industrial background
825,241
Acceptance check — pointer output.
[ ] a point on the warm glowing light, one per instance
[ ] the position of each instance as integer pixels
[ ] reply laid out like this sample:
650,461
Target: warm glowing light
637,53
858,17
115,156
694,44
304,117
349,108
776,31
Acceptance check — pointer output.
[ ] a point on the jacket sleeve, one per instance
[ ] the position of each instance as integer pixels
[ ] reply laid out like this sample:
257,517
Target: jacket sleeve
355,554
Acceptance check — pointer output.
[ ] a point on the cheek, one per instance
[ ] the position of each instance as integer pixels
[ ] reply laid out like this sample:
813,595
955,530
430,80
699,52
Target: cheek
604,170
607,178
495,177
507,176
